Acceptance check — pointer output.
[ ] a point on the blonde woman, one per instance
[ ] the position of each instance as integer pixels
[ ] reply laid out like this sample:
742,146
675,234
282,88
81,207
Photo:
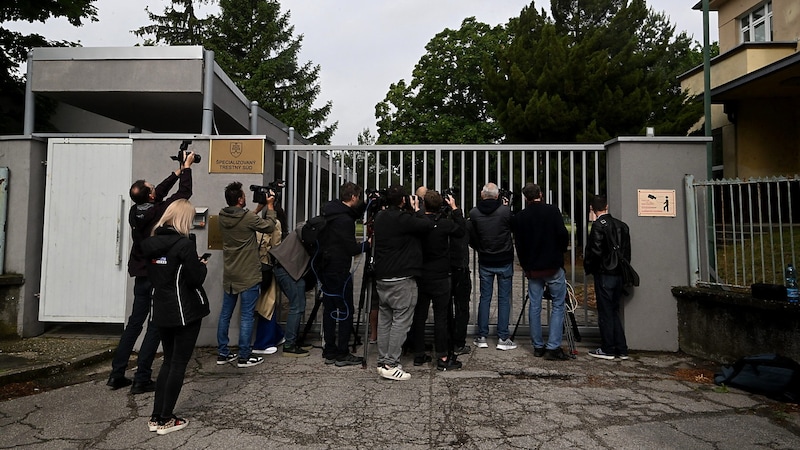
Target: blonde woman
179,304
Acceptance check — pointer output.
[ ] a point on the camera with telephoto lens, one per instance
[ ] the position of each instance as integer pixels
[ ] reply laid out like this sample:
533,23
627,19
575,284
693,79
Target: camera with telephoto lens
506,194
260,193
182,153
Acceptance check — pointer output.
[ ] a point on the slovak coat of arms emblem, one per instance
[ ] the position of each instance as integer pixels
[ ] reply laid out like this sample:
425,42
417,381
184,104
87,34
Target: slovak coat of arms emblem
236,149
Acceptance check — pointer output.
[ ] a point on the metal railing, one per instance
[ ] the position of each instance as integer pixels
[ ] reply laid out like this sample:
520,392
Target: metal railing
742,232
569,174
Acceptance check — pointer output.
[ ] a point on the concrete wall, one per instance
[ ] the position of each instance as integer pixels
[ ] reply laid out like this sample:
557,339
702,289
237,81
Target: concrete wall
25,157
659,249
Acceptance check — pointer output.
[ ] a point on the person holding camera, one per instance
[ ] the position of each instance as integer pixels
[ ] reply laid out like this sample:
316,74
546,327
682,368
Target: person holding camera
398,263
338,245
150,202
241,271
434,283
179,304
541,240
490,228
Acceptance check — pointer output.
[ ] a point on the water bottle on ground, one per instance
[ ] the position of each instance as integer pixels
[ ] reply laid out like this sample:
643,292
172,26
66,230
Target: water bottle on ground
791,284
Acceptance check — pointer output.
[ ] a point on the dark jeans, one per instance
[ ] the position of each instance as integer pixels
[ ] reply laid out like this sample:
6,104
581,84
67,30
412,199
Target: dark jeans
337,311
460,290
147,352
295,291
608,289
438,293
178,343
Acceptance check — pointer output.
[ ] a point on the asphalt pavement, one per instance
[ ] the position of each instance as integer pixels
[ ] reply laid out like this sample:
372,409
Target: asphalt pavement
500,399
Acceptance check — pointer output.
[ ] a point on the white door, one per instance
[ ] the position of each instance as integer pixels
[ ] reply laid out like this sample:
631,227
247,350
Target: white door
86,237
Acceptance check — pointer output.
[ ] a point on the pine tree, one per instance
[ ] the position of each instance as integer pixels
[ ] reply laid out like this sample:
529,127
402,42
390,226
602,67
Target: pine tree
176,26
254,44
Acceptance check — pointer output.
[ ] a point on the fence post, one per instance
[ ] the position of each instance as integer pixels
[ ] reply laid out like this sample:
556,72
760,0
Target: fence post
691,230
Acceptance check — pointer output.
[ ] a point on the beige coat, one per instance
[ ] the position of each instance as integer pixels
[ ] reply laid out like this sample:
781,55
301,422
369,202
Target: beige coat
265,306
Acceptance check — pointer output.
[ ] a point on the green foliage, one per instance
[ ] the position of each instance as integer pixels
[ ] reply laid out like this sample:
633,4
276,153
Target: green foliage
14,48
176,26
444,103
595,70
254,44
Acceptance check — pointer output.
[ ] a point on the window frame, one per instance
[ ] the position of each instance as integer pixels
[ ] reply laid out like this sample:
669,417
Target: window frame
748,23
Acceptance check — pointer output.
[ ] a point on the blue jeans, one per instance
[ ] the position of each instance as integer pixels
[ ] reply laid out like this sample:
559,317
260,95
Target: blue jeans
295,291
147,352
249,298
504,276
557,285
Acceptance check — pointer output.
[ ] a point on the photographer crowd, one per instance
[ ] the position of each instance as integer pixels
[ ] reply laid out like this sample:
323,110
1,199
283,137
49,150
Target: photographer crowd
418,256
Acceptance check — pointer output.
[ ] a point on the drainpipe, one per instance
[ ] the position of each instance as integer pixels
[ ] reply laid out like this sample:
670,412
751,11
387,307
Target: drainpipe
30,104
208,92
253,117
292,191
707,91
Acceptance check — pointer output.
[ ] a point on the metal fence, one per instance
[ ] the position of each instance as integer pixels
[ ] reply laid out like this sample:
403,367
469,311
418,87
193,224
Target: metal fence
742,232
568,174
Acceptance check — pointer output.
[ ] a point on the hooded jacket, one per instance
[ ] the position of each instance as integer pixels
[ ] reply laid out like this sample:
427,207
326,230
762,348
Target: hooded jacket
398,249
599,257
177,276
337,241
490,228
242,266
436,245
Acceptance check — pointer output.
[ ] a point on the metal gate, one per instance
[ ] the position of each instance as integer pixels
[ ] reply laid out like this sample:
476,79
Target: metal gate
568,174
84,255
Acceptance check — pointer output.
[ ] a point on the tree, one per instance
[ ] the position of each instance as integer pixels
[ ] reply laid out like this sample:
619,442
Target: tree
595,70
445,102
176,26
254,44
14,48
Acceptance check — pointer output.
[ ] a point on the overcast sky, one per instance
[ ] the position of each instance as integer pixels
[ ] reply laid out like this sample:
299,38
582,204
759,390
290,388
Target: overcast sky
362,46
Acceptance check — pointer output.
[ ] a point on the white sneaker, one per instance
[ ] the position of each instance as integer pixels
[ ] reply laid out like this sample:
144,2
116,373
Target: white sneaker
250,362
393,373
480,342
266,351
506,344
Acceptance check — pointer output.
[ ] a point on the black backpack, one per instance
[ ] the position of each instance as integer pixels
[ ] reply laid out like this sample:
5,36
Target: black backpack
772,375
311,231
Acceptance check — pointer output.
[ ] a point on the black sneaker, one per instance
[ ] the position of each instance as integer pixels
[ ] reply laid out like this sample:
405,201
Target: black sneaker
556,354
116,383
294,351
421,359
329,360
462,350
142,387
448,364
222,360
249,362
538,352
349,360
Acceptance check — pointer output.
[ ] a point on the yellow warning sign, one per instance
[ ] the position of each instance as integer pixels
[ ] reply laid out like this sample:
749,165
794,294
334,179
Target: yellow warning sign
656,202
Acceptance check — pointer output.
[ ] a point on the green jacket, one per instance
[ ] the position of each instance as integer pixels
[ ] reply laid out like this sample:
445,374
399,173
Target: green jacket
242,268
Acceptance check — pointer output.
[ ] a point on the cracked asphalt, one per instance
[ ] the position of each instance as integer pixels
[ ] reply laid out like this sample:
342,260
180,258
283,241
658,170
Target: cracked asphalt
501,400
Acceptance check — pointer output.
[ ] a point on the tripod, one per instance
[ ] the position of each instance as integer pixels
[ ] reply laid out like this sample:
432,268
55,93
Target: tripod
571,331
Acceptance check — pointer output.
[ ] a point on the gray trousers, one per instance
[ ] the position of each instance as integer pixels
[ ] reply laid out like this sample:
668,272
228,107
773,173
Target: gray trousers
395,314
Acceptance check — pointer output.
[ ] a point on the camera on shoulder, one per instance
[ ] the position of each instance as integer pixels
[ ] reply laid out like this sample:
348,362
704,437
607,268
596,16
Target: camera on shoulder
261,193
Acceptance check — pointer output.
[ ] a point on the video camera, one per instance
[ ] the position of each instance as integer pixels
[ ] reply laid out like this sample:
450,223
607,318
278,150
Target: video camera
376,201
260,193
181,156
506,194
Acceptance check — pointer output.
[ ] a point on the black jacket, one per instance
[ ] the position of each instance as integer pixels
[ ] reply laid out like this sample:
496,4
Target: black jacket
337,241
436,245
398,249
540,237
177,276
143,217
599,257
490,228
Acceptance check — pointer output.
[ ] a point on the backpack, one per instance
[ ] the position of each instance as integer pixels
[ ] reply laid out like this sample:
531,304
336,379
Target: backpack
311,231
772,375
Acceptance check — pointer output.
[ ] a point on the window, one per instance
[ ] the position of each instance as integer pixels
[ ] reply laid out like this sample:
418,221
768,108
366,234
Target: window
756,26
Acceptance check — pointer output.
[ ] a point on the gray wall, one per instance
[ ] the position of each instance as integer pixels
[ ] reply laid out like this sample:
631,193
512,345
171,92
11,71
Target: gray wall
659,244
25,156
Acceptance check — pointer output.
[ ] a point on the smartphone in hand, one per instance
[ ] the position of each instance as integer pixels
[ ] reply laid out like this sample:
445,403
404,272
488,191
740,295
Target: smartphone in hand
205,256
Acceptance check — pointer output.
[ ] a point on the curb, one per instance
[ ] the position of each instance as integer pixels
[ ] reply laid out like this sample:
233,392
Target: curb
43,370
